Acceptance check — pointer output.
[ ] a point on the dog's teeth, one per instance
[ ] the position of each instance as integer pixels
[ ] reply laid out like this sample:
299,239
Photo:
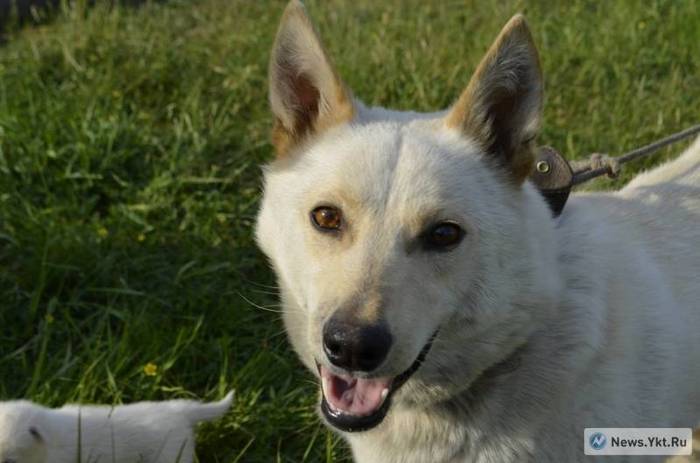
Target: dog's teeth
385,392
324,384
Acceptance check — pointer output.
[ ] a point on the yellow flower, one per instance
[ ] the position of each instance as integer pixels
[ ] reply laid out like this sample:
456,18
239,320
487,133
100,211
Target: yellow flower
150,369
102,232
141,237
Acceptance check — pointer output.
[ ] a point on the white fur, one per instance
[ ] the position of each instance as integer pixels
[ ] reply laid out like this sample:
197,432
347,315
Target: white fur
597,309
144,432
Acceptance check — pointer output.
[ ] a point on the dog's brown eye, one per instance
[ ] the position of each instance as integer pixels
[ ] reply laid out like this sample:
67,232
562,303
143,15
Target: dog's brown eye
327,218
443,236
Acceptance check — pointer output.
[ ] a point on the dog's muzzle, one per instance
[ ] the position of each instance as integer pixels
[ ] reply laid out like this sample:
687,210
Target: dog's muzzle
354,404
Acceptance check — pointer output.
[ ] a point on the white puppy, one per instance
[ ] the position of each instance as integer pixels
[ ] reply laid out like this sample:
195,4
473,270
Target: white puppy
144,432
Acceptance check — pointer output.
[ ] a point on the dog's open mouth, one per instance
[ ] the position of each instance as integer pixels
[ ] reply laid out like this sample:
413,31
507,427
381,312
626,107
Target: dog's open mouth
354,404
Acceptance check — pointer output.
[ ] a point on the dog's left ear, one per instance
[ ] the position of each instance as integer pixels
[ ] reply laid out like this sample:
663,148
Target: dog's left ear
306,94
502,105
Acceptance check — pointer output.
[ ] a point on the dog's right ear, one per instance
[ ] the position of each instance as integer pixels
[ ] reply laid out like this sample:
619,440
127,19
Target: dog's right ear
306,94
502,105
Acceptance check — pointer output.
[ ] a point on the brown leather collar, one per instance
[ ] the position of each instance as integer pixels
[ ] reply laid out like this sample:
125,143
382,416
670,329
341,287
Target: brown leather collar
554,177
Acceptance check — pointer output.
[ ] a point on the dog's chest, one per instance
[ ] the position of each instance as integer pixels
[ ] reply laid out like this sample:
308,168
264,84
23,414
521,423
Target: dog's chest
425,437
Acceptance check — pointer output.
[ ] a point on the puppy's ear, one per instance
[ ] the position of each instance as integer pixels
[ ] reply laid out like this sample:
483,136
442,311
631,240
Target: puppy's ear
306,94
502,105
34,432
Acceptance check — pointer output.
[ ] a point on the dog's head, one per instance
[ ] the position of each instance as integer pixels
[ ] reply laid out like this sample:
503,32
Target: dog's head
21,440
411,252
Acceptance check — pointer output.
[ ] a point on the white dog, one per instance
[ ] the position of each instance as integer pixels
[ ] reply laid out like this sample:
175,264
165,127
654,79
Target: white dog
449,316
144,432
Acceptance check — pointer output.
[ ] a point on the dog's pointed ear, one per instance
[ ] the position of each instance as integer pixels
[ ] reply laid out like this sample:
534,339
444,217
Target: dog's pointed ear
306,94
502,105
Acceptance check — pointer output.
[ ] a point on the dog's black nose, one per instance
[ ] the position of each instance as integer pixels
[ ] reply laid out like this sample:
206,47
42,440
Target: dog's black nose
356,347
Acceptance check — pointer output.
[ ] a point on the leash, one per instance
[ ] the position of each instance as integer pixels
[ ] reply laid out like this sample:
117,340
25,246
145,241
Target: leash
555,177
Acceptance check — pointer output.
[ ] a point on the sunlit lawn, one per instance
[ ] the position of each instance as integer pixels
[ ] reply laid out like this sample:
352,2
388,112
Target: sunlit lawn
130,145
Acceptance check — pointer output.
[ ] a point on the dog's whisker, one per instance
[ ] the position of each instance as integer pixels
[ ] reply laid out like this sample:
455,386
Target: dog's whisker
274,308
261,291
260,285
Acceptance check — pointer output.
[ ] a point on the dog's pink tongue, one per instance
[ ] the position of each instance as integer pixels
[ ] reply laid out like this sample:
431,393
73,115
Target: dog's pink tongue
354,396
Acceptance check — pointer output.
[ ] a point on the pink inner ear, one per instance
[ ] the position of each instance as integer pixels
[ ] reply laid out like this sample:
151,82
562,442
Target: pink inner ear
307,98
503,129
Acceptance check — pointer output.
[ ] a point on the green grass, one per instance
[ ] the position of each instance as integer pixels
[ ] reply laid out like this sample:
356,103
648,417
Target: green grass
130,145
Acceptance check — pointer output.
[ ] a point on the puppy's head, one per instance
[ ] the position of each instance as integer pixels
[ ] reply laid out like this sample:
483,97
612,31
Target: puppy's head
21,438
407,246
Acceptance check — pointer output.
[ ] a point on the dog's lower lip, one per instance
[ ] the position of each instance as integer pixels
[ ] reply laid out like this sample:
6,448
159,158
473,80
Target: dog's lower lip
353,423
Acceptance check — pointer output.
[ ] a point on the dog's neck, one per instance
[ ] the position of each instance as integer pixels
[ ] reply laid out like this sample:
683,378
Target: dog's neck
452,439
481,420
